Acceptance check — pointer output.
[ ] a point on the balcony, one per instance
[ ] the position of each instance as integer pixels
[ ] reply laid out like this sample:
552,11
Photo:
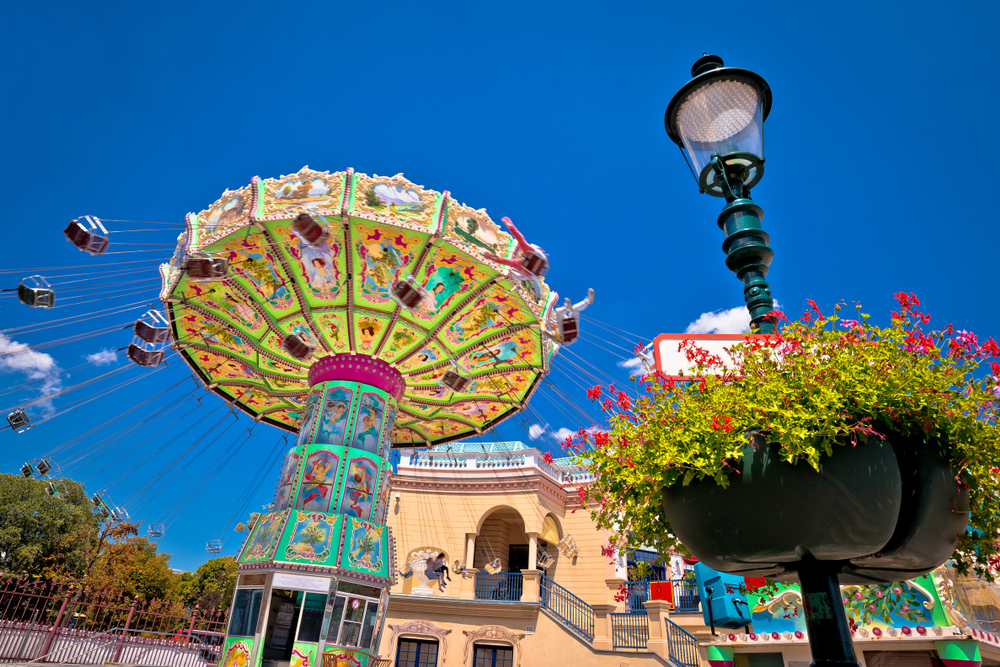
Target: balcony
499,587
685,595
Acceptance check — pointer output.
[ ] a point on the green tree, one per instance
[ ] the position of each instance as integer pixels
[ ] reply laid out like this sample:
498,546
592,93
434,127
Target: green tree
211,586
34,526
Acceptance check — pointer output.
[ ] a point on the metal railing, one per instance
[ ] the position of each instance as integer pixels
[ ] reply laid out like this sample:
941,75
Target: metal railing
567,607
127,646
499,587
682,645
629,631
685,595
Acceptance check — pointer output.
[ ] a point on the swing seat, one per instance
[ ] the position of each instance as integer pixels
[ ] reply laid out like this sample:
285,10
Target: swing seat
36,292
569,330
535,264
150,333
82,233
454,381
408,293
493,567
294,345
19,421
544,560
144,357
27,470
206,268
307,229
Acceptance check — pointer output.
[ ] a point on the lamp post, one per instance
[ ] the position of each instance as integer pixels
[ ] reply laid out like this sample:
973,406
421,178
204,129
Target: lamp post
717,119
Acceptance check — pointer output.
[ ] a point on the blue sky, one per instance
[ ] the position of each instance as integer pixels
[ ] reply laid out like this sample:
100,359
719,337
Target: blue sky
550,113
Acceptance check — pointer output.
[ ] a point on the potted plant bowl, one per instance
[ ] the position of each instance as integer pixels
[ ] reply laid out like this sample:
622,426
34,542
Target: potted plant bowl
831,450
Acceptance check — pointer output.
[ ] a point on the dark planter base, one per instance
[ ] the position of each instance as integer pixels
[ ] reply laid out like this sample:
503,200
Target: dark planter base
876,513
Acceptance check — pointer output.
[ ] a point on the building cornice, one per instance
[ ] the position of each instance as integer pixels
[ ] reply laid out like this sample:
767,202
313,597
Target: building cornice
425,604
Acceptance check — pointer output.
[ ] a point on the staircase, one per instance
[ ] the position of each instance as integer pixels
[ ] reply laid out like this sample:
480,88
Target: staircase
628,631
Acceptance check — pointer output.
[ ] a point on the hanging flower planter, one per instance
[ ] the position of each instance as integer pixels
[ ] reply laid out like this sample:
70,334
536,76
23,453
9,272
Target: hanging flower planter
869,453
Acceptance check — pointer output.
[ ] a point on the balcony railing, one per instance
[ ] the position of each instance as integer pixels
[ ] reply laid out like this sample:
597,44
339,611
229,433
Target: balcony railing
629,631
682,645
570,609
499,587
685,595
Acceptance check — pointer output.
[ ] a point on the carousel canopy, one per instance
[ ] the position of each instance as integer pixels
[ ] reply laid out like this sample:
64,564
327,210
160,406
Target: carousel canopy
273,277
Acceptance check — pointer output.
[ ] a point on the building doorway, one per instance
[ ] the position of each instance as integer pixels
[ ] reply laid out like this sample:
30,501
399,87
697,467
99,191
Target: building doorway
517,558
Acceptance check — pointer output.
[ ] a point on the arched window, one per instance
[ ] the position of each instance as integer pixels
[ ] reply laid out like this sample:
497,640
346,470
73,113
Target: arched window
417,653
489,655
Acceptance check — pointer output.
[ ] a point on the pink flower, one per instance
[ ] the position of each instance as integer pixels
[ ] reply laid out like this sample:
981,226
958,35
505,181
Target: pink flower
871,608
858,596
879,594
905,608
897,590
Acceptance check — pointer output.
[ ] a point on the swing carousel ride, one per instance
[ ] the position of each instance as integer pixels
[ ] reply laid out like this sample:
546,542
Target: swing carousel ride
359,313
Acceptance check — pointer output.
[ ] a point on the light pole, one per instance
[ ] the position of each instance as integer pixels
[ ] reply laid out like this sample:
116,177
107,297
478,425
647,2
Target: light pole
717,118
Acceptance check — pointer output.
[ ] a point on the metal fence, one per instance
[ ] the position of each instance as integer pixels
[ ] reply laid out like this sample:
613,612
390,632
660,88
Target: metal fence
572,610
685,595
499,587
682,645
629,631
36,618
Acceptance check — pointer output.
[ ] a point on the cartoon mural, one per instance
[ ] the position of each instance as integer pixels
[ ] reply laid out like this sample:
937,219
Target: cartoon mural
444,282
285,481
369,333
383,256
316,492
368,424
307,420
403,201
333,423
359,488
265,538
320,265
365,552
222,217
301,657
237,655
310,539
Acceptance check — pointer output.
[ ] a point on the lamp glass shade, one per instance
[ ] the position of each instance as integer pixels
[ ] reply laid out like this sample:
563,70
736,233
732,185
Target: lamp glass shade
721,116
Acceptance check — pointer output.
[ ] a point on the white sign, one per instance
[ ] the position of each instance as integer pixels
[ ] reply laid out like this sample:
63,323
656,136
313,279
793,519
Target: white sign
671,361
298,582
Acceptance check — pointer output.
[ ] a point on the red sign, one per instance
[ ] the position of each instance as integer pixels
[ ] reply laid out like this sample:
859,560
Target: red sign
662,590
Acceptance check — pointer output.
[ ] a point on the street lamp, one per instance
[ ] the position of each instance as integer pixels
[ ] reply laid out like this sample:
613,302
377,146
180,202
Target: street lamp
717,119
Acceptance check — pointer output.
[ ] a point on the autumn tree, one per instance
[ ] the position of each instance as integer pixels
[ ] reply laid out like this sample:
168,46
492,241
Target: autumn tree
35,527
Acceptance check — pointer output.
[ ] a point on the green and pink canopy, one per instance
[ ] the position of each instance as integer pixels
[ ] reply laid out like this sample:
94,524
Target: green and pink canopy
478,317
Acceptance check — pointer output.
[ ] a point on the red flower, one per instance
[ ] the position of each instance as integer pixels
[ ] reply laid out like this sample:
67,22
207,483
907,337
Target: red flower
547,458
594,392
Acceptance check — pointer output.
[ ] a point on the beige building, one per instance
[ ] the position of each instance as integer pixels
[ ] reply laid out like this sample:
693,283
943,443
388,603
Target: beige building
527,583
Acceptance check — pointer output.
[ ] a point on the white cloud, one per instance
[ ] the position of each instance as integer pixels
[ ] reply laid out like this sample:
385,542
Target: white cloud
102,358
536,431
17,357
563,433
731,321
639,365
